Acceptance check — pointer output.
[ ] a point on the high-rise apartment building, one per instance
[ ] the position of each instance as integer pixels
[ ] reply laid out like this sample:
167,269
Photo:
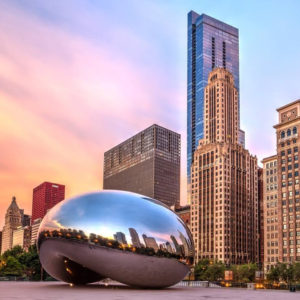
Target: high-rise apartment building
288,144
224,183
13,219
270,211
148,164
45,196
22,237
34,230
211,44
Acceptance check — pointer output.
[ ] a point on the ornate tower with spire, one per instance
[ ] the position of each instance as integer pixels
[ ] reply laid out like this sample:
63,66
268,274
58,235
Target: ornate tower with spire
13,219
224,198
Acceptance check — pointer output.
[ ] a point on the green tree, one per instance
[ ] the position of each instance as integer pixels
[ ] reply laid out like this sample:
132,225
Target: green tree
208,270
297,272
274,274
14,252
31,262
11,267
244,273
215,271
200,269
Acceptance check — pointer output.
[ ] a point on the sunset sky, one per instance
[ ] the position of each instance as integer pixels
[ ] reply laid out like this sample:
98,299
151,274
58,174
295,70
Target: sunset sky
78,77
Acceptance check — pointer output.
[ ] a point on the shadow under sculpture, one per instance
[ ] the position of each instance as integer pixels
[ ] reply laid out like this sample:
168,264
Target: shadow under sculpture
120,235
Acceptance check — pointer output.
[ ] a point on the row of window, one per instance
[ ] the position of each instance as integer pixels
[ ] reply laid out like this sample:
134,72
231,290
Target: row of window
296,166
288,143
271,164
289,132
289,159
271,172
289,151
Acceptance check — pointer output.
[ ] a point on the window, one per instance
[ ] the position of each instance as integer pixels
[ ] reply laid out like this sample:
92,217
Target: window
282,169
282,153
288,132
282,135
295,149
294,130
289,151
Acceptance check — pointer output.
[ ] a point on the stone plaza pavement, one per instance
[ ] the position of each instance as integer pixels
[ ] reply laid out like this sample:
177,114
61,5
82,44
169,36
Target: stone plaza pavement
61,291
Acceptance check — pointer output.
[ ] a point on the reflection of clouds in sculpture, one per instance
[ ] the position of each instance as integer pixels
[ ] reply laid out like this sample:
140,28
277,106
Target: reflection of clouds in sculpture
123,221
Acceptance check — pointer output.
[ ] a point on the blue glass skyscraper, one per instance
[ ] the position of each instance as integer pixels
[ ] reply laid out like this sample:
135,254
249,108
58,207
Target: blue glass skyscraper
211,43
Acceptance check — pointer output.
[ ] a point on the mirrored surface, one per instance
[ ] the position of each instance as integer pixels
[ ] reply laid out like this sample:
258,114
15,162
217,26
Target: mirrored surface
122,221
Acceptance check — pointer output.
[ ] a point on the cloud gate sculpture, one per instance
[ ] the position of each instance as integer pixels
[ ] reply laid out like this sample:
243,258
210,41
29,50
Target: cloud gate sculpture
120,235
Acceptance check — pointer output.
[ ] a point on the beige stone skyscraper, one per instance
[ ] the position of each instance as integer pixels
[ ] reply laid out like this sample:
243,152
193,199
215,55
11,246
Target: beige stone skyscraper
288,143
13,219
270,210
224,202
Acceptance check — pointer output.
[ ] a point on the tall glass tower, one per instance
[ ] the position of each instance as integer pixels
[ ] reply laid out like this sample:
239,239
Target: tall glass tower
211,43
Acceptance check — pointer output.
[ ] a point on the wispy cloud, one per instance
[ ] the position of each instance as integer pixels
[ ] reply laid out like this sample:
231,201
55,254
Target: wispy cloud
65,97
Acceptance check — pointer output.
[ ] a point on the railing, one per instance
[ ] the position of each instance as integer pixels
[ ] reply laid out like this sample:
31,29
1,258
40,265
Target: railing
197,283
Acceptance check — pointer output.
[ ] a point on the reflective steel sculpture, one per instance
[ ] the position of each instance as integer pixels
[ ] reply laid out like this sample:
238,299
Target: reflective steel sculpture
120,235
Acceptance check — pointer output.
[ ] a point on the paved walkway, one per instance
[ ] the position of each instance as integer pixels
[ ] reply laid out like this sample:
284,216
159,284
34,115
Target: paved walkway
61,291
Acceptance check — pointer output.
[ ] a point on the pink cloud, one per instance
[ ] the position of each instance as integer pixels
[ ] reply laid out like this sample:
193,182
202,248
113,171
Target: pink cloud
64,100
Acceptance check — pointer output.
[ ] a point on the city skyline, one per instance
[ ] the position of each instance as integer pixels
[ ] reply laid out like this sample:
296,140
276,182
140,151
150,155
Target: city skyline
211,44
58,86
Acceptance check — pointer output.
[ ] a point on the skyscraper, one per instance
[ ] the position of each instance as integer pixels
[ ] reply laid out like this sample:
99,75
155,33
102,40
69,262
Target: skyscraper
120,237
135,240
22,237
282,190
13,219
288,144
45,196
147,163
211,44
270,211
224,186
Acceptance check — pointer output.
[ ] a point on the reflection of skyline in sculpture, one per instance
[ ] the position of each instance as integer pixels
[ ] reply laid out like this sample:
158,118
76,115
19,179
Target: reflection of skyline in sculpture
120,237
150,242
177,247
169,247
96,236
185,244
135,240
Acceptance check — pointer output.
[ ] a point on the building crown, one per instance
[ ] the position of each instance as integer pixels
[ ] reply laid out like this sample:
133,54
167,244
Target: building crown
220,74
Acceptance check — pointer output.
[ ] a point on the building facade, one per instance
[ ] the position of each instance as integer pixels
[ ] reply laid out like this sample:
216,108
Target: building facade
184,212
34,230
211,44
148,164
13,219
270,211
224,181
22,237
45,196
288,143
260,192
